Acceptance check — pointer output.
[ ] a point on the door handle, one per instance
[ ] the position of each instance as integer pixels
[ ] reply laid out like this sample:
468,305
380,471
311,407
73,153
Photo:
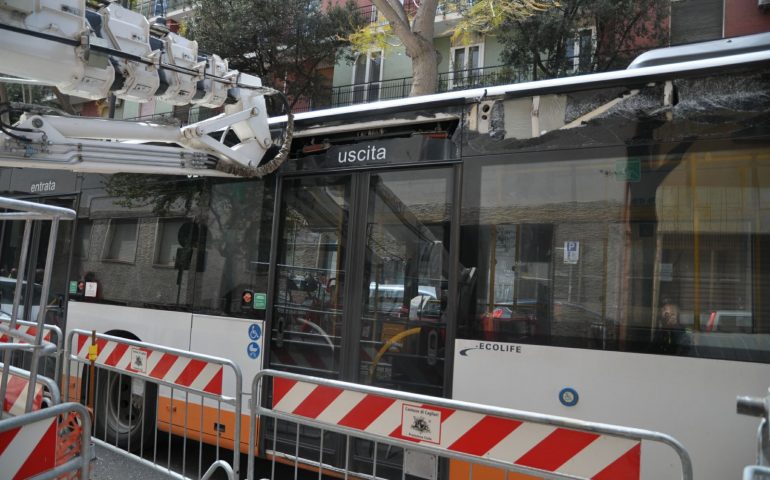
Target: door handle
279,333
432,347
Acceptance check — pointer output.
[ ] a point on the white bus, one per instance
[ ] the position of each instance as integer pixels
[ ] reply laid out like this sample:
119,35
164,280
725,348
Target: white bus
574,237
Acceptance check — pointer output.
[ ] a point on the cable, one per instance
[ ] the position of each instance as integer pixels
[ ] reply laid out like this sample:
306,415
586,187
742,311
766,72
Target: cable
20,138
273,164
8,109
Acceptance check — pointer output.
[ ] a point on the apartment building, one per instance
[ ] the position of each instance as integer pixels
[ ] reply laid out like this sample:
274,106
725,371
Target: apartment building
379,74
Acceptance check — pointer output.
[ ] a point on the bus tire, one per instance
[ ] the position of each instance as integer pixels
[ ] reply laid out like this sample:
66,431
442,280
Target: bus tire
122,418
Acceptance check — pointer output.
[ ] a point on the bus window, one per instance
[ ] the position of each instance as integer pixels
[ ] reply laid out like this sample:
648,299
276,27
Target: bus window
572,253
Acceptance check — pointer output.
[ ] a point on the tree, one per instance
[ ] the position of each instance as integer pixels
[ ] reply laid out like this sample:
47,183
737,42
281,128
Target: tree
543,43
413,25
284,42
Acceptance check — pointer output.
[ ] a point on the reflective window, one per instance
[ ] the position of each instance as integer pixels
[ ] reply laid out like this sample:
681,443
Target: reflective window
307,334
82,245
234,231
121,241
168,249
403,329
132,248
650,254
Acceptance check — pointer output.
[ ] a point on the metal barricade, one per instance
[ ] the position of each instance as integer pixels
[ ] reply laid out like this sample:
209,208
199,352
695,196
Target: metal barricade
26,344
140,389
46,393
432,432
29,212
51,443
51,334
758,407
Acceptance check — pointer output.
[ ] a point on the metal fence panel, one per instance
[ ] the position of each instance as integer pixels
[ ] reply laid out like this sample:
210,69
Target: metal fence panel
47,444
46,392
149,400
429,429
51,334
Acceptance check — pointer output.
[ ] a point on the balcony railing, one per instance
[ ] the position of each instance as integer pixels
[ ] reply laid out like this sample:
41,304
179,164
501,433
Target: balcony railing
369,12
400,87
344,95
160,8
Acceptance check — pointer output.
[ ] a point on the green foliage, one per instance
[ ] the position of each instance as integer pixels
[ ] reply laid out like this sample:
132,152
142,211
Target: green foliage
373,37
486,16
284,42
622,28
160,192
30,94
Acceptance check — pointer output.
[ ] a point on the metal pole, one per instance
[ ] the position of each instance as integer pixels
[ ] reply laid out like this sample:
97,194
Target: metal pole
92,354
42,310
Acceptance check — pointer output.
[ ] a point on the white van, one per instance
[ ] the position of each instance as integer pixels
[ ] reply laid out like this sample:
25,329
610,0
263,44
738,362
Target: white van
389,299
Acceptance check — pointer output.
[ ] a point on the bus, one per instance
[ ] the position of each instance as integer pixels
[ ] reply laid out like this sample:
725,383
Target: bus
595,247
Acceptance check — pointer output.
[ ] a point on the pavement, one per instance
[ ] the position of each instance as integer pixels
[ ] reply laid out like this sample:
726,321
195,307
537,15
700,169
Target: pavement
110,465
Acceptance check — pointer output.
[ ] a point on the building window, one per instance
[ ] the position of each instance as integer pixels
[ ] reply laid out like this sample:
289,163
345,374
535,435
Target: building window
580,52
121,241
467,66
367,75
83,240
167,244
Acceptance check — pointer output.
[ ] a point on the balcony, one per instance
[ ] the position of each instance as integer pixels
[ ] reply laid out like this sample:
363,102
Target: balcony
447,8
344,95
162,8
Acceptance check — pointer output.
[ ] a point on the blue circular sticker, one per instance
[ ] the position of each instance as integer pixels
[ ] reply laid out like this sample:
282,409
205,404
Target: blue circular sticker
253,350
254,331
568,397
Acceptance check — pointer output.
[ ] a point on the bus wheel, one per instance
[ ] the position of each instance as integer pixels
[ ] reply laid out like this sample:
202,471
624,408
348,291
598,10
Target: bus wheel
125,411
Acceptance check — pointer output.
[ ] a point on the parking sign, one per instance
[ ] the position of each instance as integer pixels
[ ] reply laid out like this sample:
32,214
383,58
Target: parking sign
571,252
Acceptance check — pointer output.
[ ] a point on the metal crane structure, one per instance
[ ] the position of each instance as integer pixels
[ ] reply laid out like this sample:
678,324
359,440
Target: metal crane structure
93,54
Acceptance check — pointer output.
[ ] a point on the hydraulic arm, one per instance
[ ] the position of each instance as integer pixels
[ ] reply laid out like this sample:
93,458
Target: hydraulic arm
112,51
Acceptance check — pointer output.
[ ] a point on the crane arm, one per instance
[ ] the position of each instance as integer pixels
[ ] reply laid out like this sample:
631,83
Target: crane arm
94,54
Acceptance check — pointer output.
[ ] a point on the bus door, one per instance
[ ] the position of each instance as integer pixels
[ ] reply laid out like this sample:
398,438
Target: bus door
361,282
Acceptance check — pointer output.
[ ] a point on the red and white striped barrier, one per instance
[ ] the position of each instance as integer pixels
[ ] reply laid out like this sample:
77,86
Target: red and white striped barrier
154,364
544,447
29,330
15,401
28,450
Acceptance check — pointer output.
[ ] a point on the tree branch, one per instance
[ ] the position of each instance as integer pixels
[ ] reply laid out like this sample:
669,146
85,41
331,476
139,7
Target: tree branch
424,19
393,11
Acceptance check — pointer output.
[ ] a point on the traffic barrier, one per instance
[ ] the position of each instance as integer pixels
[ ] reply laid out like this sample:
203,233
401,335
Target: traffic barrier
18,386
51,334
29,444
429,428
141,389
30,212
22,343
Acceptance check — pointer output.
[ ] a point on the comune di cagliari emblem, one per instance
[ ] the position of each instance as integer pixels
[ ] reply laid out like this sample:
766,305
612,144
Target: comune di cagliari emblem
420,424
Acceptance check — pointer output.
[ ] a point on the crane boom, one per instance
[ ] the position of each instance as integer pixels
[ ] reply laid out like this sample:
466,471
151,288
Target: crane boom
111,51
